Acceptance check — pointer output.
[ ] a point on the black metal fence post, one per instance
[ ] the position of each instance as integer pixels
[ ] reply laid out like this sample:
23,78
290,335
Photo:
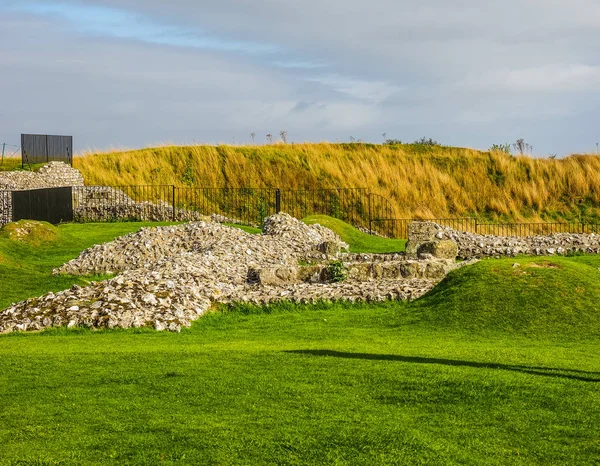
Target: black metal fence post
370,216
277,200
174,213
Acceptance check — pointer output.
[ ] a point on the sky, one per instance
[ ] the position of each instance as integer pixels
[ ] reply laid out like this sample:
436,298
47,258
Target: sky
468,73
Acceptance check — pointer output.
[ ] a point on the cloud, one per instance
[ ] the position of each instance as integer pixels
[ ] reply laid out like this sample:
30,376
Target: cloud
547,79
124,24
369,90
465,72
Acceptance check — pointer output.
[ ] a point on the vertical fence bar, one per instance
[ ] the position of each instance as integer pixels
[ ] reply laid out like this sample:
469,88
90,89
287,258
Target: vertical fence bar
174,213
370,216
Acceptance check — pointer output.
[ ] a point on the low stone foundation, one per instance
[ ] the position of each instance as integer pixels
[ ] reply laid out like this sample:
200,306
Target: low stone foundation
355,271
429,237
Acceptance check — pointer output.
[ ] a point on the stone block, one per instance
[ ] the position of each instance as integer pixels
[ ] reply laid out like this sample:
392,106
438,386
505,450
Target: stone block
310,273
435,270
420,232
275,275
360,272
409,270
329,248
442,249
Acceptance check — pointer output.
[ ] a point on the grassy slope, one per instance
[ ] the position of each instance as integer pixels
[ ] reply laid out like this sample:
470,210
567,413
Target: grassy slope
358,241
499,365
541,296
421,181
10,164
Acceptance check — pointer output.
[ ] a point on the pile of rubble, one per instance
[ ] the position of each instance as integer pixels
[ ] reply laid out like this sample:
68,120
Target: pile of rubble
169,276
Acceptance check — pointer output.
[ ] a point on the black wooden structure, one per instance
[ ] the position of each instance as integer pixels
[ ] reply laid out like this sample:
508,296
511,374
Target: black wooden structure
42,148
54,205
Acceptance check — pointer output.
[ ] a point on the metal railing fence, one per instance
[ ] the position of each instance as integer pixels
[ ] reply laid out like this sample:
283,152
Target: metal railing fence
357,206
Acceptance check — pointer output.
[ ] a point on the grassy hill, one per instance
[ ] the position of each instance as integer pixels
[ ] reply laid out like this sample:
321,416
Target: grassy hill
422,181
357,240
556,296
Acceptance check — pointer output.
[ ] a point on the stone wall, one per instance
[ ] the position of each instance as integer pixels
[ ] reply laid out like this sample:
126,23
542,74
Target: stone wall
5,207
427,239
51,175
428,235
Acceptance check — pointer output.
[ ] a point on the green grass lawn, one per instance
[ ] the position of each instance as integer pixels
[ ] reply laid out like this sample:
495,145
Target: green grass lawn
358,241
497,365
299,385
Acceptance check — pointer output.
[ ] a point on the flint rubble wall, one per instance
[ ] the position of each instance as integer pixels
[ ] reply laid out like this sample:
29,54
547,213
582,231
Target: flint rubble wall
51,175
475,246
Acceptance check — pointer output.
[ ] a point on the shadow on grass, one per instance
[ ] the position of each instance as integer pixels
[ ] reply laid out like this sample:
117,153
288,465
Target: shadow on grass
543,371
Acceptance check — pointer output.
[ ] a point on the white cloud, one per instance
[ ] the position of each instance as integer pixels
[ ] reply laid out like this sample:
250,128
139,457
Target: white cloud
372,91
332,68
549,79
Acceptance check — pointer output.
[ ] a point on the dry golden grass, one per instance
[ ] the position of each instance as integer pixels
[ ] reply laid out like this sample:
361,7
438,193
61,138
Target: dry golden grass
421,181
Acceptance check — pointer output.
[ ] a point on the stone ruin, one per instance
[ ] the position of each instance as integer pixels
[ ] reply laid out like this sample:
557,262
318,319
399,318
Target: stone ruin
51,175
430,238
169,276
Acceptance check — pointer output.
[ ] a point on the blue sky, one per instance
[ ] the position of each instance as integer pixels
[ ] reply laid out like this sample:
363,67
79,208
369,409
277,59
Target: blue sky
132,73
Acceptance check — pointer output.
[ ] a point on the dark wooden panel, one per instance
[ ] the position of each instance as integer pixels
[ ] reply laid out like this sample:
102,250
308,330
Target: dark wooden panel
60,148
38,204
52,205
20,205
60,205
41,148
34,148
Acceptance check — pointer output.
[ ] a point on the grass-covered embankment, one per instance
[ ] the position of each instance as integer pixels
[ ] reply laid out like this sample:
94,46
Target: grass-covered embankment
529,295
356,239
421,181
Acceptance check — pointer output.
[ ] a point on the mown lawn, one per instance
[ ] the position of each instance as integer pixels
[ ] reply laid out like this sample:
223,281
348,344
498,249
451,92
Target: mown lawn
500,364
332,385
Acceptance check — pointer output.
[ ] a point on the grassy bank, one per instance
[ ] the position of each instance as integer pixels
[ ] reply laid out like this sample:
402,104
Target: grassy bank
421,181
356,239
